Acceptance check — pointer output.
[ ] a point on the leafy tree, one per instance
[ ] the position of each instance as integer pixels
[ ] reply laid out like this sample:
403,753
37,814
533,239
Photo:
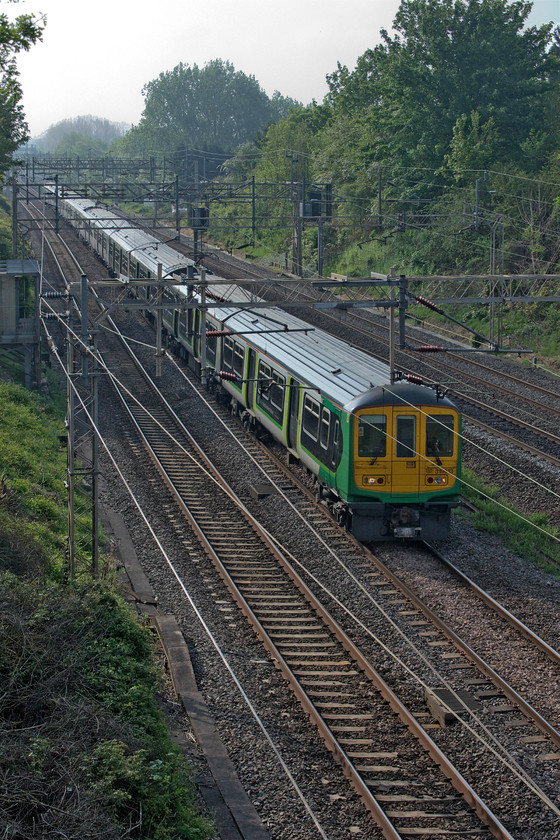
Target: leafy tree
79,145
448,60
215,108
14,36
285,153
355,91
280,106
472,147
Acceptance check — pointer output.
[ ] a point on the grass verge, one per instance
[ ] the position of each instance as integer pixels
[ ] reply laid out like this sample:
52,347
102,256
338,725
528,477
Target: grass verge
84,747
527,535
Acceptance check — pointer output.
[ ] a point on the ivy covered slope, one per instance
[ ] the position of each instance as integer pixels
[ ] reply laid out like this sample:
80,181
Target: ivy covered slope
84,749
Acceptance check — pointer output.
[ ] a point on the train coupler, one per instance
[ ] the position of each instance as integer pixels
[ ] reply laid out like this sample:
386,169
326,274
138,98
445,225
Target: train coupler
405,523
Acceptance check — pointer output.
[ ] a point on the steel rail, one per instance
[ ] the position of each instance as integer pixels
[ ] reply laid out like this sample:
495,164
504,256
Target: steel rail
456,779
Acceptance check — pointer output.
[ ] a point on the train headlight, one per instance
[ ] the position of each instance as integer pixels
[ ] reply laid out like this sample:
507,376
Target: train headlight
374,479
436,479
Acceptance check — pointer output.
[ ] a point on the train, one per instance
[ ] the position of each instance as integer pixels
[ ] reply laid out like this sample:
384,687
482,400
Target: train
385,456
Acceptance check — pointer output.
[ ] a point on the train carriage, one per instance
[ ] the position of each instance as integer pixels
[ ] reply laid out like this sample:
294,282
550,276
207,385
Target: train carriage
385,455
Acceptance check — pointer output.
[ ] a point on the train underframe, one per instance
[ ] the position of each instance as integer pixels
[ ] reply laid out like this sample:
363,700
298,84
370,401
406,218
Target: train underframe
389,521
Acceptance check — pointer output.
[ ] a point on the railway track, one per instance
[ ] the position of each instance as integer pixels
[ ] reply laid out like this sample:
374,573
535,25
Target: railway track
257,597
323,667
521,409
408,610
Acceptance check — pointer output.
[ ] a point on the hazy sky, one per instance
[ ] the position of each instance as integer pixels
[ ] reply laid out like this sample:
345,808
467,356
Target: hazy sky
96,56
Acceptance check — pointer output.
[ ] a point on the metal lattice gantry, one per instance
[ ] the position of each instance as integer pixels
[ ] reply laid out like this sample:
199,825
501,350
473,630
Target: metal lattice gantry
489,288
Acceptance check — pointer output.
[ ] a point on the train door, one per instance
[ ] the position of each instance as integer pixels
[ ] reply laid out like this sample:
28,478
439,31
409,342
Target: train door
294,391
251,372
405,477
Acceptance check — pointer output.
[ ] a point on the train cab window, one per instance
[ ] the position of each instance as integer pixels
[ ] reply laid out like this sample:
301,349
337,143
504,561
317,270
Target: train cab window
310,419
406,437
439,436
325,428
372,436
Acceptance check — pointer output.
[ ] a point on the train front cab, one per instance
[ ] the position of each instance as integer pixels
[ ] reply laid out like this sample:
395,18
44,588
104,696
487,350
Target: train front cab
405,464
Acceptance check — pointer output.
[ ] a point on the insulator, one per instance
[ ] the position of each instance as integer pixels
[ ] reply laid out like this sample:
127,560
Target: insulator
428,304
413,379
52,295
428,348
225,374
215,333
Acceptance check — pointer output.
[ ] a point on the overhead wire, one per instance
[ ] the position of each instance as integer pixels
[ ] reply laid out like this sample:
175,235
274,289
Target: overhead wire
190,598
496,748
155,537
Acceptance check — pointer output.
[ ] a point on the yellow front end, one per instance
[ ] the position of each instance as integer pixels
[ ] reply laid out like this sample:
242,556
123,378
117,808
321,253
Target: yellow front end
405,451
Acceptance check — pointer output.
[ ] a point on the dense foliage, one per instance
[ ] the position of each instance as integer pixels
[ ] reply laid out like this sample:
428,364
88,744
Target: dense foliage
5,229
84,136
33,523
444,139
84,747
215,108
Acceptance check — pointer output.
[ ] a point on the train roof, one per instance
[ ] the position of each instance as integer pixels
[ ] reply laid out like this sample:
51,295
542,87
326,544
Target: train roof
148,249
338,370
400,393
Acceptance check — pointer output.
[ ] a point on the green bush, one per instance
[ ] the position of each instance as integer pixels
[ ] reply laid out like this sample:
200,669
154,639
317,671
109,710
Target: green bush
84,743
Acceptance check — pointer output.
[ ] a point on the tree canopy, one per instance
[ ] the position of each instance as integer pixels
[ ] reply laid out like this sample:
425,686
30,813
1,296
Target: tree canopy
215,108
83,136
457,88
15,36
450,59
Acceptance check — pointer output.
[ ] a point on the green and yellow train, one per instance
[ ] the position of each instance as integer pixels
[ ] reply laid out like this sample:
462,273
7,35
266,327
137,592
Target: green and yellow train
385,455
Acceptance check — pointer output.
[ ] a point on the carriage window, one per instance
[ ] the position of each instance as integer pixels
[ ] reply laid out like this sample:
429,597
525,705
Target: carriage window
277,390
264,377
406,437
311,411
228,353
238,359
372,436
325,427
439,436
337,444
211,344
190,323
